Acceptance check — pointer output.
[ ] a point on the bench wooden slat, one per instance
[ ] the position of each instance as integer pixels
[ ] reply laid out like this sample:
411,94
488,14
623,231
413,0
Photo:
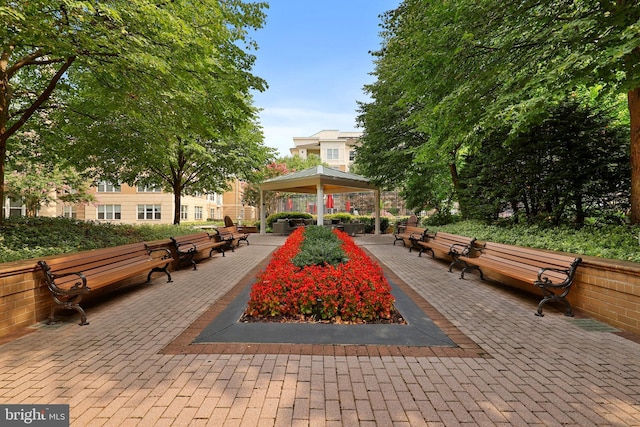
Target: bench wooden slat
93,257
551,272
71,276
108,274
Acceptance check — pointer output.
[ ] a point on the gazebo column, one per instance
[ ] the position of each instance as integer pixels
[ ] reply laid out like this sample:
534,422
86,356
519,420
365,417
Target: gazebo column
263,221
320,204
376,209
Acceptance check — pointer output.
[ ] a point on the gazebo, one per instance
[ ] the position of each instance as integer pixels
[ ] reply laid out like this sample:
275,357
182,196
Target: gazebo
319,180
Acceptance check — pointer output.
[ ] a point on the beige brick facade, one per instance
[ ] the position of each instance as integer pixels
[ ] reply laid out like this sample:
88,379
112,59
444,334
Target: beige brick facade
133,205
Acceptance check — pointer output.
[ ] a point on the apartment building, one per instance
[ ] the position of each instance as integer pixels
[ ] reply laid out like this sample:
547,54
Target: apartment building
121,203
335,148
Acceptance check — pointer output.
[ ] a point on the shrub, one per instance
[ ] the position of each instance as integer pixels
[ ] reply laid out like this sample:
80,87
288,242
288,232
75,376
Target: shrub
441,218
608,241
320,247
286,215
29,237
370,223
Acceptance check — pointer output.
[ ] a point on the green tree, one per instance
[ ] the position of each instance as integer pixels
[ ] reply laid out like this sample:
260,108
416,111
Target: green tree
460,68
129,64
573,164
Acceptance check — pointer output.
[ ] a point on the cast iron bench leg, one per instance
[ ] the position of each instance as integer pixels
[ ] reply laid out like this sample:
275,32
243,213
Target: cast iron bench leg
70,304
162,270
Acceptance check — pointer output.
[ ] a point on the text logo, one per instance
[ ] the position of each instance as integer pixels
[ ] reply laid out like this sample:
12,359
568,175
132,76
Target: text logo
34,415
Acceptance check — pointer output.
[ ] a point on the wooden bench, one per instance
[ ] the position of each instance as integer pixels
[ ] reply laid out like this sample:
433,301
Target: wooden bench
72,276
552,272
446,243
188,245
410,233
230,235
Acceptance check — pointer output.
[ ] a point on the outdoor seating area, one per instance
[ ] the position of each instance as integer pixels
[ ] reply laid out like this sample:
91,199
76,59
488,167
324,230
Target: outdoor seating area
409,235
234,384
231,236
141,139
446,244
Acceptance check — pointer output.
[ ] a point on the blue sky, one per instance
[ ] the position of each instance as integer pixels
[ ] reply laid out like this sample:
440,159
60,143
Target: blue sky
314,55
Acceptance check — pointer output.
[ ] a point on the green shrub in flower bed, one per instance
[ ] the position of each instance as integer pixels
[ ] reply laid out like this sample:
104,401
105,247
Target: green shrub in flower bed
354,291
320,246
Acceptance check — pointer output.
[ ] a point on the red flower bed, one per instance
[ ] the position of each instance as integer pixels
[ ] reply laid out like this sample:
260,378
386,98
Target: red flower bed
355,291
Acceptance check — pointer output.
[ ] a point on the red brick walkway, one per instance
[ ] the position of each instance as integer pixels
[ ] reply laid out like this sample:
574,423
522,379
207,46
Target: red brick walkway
521,370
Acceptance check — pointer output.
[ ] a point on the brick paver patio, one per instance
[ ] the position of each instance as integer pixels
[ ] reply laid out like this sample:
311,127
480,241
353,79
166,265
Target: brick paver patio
532,371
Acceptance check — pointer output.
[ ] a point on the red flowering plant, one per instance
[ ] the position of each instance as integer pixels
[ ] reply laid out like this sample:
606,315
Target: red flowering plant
353,291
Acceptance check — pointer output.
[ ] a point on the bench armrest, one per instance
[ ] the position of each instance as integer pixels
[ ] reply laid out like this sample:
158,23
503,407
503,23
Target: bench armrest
80,287
474,251
192,247
166,253
545,282
459,249
464,249
419,237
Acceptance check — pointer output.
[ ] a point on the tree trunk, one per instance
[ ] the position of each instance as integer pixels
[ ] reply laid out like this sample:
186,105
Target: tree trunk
455,179
177,193
633,98
4,119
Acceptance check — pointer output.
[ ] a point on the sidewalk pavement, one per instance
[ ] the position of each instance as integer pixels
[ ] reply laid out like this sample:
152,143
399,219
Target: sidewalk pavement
531,371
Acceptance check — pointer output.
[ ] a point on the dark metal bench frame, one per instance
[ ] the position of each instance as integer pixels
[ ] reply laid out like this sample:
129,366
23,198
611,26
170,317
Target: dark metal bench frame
194,246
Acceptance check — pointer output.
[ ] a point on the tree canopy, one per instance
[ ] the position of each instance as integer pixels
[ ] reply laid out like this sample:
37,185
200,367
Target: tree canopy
449,71
123,85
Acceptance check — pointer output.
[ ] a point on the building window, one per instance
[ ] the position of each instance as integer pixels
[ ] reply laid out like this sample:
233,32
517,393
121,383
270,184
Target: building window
107,187
147,189
184,212
149,212
352,155
69,212
197,214
333,154
212,213
109,212
16,208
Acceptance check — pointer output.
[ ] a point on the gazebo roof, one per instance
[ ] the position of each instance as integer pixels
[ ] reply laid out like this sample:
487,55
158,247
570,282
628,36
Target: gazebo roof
306,181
